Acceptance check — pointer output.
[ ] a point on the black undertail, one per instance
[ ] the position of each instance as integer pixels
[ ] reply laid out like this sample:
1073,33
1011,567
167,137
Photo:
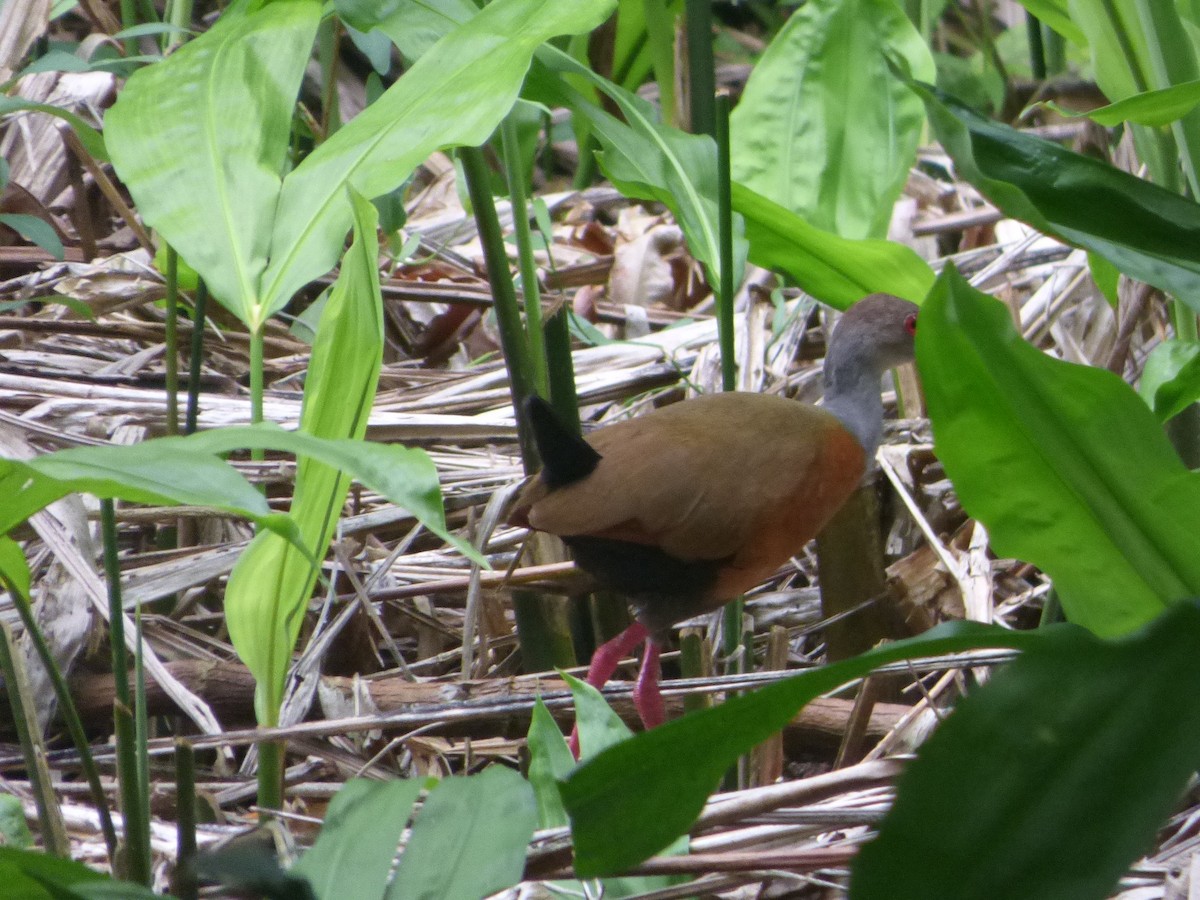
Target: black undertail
566,457
662,588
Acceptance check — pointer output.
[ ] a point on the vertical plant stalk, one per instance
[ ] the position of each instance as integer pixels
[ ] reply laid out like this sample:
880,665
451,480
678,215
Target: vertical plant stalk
196,359
171,353
256,382
702,84
1037,47
660,29
179,14
54,830
514,170
184,884
508,315
328,36
134,808
69,714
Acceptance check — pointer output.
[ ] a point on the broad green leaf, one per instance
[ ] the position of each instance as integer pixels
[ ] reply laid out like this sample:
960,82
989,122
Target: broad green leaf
1153,108
1064,464
645,159
1049,780
160,472
1171,378
1149,233
35,231
353,854
549,760
412,26
455,94
33,875
1057,14
201,139
823,128
837,270
468,839
88,136
599,727
635,798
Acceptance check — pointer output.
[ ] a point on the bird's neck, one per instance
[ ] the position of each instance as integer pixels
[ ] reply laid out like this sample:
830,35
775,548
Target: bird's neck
852,394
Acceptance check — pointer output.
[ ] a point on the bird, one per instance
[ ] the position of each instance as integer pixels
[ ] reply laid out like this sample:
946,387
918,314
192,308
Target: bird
696,502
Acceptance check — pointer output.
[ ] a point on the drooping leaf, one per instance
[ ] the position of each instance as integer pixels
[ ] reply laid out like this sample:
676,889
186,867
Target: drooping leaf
35,875
88,136
201,138
1171,378
354,852
837,270
823,128
1014,796
1064,464
1154,108
1147,232
455,94
481,823
646,159
636,797
36,231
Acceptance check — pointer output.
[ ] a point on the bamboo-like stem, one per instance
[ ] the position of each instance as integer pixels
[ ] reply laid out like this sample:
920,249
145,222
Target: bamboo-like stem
195,362
514,171
702,84
54,830
508,316
135,812
171,341
185,885
69,714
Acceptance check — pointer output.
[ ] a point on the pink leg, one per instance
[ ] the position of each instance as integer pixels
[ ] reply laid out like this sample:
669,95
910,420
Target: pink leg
605,661
646,694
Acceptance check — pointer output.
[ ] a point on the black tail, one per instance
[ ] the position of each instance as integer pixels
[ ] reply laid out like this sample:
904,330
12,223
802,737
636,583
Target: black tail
566,457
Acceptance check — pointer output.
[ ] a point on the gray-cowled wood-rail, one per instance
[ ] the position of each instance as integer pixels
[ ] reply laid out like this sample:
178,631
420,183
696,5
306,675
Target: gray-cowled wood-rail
694,503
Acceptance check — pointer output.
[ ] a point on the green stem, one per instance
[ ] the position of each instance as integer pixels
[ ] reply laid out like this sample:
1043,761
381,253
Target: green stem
270,777
508,315
69,714
185,885
660,28
1037,47
196,360
171,353
136,816
529,282
725,324
702,83
54,833
179,14
256,383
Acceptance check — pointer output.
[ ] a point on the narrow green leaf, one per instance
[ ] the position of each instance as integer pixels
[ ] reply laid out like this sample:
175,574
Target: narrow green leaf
1171,378
1154,108
1147,232
455,94
201,140
549,760
468,840
1063,463
33,874
599,727
14,568
837,270
1015,796
1057,15
636,797
353,854
36,231
88,136
823,128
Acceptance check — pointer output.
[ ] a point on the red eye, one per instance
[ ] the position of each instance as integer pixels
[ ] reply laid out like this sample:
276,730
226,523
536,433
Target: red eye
910,323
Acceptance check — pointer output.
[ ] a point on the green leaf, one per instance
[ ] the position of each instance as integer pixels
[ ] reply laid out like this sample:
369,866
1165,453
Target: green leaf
88,136
837,270
1057,15
650,161
599,727
353,854
1171,378
1149,233
549,760
1064,464
455,94
13,830
201,141
35,231
413,27
1014,796
823,128
636,797
14,569
1154,108
270,586
468,839
35,875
